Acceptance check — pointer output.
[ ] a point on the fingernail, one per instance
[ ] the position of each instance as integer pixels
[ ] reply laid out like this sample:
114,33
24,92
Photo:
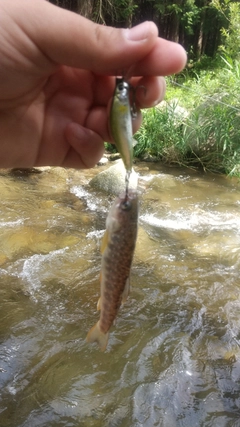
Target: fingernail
138,33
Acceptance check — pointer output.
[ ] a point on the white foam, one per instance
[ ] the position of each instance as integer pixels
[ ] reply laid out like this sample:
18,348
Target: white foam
195,221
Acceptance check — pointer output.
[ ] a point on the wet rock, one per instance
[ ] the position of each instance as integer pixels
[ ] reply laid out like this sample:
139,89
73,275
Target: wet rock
19,172
114,156
149,158
103,161
44,168
112,180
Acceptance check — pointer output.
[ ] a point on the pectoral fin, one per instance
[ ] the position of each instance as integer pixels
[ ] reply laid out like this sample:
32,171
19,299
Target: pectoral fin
104,242
99,304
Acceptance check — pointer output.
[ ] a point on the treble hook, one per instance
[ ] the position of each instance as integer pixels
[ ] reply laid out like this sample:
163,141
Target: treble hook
134,91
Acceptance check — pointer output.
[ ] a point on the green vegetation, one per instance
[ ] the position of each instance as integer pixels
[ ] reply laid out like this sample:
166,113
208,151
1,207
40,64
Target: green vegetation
199,25
199,124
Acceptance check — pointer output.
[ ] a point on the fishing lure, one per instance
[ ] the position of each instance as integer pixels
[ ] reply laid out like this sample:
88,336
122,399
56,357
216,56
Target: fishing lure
121,124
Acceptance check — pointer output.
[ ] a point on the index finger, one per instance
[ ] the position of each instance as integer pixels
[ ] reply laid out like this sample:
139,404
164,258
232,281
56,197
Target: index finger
164,59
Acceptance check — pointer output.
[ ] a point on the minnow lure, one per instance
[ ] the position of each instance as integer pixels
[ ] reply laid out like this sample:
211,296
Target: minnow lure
121,123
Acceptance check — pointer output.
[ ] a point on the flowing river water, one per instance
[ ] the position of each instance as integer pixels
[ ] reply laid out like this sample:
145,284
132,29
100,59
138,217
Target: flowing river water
173,357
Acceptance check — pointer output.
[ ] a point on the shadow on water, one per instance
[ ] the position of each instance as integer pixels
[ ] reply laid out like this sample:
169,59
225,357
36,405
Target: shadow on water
173,357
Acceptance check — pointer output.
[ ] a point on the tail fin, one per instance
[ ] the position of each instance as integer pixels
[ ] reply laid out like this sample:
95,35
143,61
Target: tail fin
95,335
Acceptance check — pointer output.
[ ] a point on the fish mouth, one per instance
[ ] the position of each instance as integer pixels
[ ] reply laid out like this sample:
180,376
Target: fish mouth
126,204
127,199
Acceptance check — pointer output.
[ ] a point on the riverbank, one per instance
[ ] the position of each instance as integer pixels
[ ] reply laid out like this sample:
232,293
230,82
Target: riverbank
198,125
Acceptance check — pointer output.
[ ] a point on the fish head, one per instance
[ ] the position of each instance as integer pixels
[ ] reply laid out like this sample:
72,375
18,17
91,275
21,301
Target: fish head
123,211
122,90
128,202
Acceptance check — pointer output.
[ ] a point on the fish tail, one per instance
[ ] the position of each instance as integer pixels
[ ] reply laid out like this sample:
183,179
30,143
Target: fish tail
95,335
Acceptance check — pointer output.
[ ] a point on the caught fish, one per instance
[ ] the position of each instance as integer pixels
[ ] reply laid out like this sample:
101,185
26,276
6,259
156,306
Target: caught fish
121,123
117,253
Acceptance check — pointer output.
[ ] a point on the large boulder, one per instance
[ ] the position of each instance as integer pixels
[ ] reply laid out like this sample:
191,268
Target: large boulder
112,180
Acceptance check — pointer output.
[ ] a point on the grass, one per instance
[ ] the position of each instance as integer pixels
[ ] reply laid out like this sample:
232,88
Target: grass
160,135
199,124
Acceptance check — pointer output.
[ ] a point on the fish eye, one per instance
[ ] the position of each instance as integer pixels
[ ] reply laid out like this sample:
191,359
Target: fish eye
126,205
121,86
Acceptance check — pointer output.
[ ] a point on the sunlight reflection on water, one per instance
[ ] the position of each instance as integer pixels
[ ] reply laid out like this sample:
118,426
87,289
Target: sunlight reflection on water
173,357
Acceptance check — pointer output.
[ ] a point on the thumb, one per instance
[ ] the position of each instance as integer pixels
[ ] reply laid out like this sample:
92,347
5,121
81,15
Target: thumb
69,39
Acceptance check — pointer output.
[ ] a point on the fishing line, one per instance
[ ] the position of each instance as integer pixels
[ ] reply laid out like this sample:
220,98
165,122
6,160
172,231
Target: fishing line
205,96
127,177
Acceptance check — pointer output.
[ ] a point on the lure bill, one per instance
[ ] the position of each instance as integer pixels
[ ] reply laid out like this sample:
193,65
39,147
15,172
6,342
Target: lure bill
121,123
117,253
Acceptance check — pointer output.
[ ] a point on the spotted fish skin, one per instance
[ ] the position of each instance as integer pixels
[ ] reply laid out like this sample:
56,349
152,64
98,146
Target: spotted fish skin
117,254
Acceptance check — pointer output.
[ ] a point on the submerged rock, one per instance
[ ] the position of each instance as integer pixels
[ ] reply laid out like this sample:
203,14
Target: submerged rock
112,180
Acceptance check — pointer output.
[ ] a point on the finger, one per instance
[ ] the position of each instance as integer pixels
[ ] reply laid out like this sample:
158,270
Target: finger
70,39
86,147
165,58
149,90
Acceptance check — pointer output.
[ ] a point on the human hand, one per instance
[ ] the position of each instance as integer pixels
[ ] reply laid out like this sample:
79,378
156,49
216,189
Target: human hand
56,81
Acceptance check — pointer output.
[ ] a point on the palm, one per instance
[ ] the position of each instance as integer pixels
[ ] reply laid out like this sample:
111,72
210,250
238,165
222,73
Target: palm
38,118
52,114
